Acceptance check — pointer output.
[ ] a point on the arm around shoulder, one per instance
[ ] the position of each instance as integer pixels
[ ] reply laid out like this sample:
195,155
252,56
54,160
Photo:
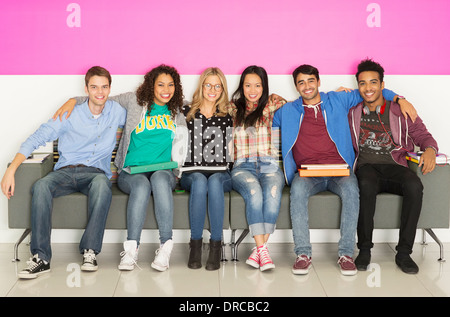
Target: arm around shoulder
68,107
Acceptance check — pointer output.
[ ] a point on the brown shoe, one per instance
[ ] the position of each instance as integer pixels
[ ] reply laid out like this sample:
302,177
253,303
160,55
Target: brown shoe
195,254
215,254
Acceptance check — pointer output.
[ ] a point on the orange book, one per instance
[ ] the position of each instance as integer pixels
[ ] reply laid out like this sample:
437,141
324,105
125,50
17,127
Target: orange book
318,170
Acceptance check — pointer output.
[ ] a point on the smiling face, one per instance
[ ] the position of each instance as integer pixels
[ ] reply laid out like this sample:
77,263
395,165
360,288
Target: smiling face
98,90
253,88
371,89
211,90
308,88
164,89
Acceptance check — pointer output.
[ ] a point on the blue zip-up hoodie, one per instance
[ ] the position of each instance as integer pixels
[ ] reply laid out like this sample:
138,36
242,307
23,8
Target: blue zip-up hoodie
335,107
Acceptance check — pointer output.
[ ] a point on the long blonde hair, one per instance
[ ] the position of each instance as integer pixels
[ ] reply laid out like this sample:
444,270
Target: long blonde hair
197,98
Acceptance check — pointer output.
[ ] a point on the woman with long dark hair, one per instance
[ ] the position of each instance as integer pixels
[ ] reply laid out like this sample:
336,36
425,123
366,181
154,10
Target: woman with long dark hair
256,174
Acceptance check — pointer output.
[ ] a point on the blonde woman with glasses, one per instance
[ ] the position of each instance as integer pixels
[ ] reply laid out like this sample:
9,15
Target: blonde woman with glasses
206,172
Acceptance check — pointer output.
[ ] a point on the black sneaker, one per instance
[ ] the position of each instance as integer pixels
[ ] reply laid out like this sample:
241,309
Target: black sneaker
35,268
89,261
362,261
406,264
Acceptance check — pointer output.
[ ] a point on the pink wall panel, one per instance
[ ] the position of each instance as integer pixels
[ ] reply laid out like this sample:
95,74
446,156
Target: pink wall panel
130,37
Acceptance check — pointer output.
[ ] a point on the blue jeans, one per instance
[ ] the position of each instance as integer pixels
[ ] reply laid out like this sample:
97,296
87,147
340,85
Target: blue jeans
304,187
206,193
261,185
87,180
140,187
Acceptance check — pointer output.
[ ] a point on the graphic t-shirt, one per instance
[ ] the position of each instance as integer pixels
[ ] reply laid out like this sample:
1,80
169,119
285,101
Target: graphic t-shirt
151,140
375,143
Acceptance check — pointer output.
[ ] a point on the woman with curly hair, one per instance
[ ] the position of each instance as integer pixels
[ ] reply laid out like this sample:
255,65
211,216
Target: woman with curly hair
155,132
206,172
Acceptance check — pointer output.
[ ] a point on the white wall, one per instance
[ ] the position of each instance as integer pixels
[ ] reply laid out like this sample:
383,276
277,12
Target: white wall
28,101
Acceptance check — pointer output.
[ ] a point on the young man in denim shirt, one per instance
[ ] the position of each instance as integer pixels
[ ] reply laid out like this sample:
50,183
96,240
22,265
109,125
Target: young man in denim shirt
85,144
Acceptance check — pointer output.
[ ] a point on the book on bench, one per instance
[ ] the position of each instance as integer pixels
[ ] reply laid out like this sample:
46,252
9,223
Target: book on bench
151,167
441,158
320,170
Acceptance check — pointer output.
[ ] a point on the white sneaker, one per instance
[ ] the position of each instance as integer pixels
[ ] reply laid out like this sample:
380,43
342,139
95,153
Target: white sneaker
161,262
89,261
129,256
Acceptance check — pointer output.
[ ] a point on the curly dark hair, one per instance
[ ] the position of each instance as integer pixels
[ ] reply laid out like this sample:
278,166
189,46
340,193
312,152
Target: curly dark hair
145,93
368,65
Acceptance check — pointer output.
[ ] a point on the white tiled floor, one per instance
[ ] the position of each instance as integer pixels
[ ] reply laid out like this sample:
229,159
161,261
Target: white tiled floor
234,279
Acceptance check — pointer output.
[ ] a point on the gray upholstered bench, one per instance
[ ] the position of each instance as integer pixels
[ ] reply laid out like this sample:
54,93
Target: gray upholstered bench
70,212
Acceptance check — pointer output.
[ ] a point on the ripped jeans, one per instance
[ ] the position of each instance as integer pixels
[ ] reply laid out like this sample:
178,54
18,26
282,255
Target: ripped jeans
260,184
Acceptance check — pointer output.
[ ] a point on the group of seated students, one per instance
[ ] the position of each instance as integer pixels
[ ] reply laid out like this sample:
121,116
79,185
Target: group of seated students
219,143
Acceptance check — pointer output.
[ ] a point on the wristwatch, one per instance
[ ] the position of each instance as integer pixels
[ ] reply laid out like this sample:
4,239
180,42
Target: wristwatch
399,97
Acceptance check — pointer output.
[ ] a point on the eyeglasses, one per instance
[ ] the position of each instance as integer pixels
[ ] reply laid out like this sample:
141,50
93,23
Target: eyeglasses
216,87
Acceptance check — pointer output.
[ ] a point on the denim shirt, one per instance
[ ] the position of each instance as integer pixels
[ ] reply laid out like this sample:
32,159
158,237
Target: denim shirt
82,139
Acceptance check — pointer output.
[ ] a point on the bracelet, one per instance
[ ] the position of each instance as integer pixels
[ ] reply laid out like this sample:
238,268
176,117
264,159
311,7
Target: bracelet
399,97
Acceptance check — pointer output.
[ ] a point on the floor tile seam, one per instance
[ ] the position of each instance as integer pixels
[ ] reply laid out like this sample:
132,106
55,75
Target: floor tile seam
320,280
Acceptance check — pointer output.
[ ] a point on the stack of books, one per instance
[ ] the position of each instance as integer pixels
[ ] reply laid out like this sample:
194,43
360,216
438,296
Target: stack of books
319,170
441,158
36,158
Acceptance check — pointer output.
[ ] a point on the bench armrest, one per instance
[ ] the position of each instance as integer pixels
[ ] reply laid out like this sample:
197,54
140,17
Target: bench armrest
19,205
436,196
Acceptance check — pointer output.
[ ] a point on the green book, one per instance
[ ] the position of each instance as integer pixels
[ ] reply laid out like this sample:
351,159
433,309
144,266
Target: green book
152,167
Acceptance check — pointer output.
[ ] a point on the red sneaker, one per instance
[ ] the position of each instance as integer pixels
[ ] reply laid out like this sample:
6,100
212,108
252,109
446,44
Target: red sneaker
265,262
302,264
253,259
347,265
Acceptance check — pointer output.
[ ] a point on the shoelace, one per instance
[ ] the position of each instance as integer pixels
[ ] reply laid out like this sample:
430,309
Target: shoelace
32,264
264,257
303,257
255,255
343,258
89,257
160,252
127,253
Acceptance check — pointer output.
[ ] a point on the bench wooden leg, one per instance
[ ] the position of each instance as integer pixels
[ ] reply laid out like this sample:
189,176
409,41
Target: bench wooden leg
435,238
234,245
16,246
